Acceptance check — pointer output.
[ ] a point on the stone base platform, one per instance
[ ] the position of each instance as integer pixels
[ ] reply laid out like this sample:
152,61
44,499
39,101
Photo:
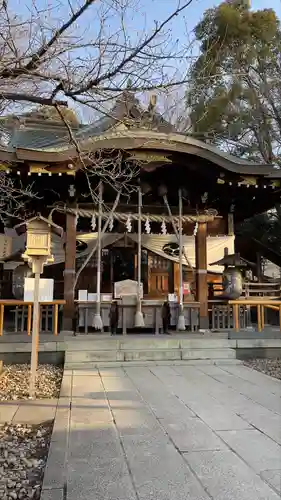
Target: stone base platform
98,350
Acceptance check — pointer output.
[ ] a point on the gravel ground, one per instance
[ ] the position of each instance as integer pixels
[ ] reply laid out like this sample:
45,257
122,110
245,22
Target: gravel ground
14,382
23,457
270,367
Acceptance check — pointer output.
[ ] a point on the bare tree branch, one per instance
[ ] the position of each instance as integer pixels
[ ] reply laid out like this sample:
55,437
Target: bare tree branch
44,62
36,58
44,101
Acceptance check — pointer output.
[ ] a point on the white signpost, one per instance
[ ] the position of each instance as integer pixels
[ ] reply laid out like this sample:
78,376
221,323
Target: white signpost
46,290
127,288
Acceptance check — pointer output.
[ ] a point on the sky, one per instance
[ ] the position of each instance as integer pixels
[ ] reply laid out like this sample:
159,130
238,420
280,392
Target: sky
149,9
141,16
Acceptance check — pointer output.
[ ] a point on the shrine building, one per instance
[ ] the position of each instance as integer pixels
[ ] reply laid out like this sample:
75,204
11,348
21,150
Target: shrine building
156,185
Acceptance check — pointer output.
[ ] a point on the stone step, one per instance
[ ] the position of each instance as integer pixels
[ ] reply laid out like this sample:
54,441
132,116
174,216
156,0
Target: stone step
162,343
152,355
208,354
87,356
207,343
118,364
127,355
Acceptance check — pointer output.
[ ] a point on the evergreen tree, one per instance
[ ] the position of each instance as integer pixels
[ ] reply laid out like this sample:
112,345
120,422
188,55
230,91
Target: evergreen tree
235,84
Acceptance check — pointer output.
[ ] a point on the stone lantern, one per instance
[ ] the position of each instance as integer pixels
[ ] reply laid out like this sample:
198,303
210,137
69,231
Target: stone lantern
38,241
37,253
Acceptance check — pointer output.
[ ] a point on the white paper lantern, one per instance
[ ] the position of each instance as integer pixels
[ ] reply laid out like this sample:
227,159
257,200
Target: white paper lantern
147,226
93,223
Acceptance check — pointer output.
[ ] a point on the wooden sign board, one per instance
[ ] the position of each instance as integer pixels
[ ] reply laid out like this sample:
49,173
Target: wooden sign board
5,246
46,290
127,288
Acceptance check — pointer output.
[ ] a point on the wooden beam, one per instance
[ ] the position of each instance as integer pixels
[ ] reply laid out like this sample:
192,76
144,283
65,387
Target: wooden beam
201,274
69,272
230,220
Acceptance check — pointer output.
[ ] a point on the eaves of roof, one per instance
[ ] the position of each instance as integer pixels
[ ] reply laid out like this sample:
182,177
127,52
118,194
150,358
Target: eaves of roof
93,139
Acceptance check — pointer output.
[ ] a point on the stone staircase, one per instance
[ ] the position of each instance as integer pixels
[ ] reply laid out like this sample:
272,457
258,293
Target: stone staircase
93,351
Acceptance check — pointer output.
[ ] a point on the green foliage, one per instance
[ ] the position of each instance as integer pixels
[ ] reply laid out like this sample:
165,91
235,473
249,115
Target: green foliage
265,228
235,86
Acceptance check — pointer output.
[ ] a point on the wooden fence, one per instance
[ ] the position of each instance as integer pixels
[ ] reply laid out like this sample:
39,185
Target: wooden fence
18,316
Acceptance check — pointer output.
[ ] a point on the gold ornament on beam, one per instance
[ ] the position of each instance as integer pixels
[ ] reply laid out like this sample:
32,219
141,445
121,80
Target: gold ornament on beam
248,181
149,157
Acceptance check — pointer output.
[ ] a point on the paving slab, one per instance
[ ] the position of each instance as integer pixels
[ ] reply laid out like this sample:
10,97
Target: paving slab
273,477
53,494
250,411
264,381
55,473
252,391
192,435
167,432
198,399
156,395
35,412
112,482
159,472
227,477
258,450
7,412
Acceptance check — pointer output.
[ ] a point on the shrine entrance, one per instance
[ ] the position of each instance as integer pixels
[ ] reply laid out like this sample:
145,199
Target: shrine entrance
119,263
123,263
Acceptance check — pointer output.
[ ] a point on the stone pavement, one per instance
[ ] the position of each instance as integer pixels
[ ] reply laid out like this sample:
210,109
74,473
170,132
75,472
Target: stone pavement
28,412
166,433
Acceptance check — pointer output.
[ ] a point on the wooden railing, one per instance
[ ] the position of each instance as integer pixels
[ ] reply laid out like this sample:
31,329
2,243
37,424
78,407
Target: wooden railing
265,289
253,289
21,313
221,315
260,305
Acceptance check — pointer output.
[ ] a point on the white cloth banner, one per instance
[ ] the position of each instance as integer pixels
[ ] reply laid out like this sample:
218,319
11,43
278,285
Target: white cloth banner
155,243
152,242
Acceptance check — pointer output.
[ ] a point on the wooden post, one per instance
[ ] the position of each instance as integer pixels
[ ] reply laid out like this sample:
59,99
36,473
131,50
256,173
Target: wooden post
181,318
37,269
259,267
236,312
259,318
69,272
262,317
230,224
97,321
29,316
201,273
1,319
56,316
139,320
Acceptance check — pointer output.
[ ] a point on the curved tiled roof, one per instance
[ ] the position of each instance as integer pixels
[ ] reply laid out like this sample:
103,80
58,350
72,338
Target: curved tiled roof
145,139
127,126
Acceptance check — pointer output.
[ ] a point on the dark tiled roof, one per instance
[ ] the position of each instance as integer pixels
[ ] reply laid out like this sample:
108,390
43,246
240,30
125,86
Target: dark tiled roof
51,138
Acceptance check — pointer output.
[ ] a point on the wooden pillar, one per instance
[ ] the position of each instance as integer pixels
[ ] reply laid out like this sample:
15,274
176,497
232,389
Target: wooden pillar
69,272
201,273
1,280
230,224
259,267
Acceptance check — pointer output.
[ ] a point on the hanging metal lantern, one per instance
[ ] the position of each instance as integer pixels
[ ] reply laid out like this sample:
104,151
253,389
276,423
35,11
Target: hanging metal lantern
232,283
232,280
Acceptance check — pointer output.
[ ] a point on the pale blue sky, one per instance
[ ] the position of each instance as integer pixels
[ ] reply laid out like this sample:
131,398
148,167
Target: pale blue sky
139,19
147,9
